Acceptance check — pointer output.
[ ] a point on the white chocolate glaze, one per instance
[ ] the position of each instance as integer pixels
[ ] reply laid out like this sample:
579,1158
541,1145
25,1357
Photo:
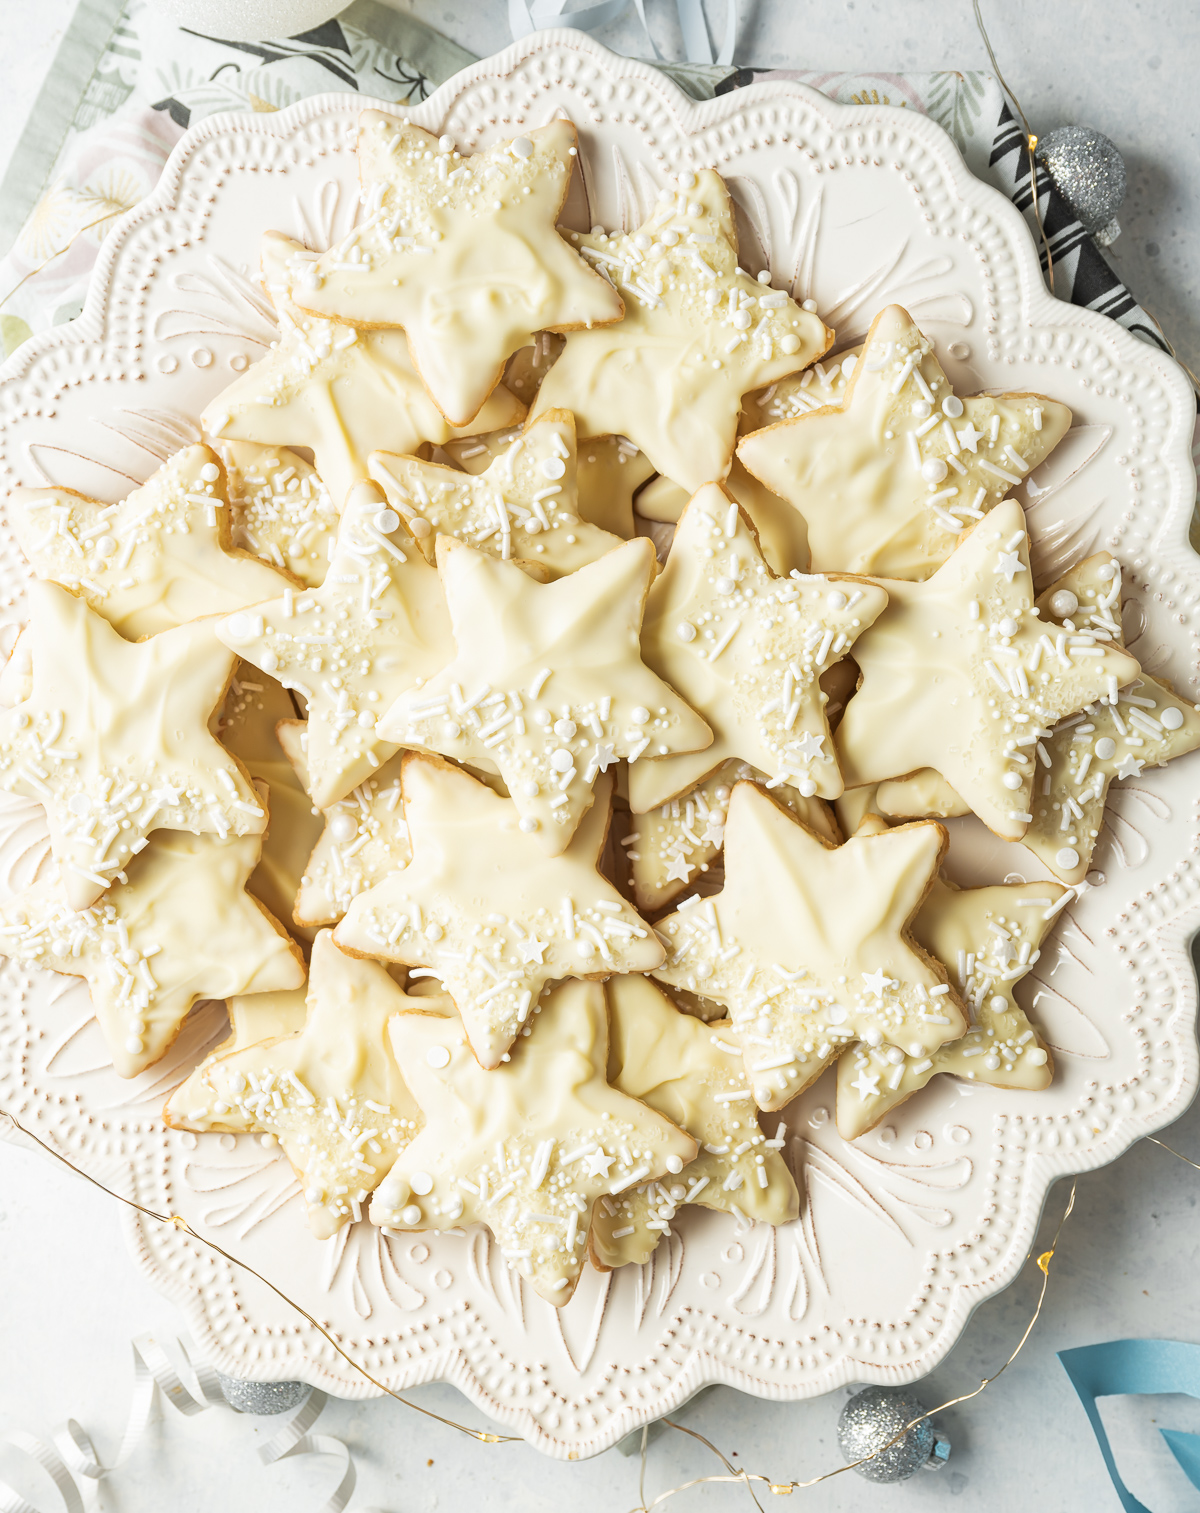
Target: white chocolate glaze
254,706
253,1018
672,846
182,927
988,939
331,1093
888,478
809,946
328,386
609,470
962,674
691,1072
747,650
481,907
697,334
376,626
282,511
161,557
462,252
528,1149
363,840
548,682
526,504
113,739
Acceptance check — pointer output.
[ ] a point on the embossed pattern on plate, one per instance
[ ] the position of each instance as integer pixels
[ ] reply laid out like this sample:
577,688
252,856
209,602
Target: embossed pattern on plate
902,1232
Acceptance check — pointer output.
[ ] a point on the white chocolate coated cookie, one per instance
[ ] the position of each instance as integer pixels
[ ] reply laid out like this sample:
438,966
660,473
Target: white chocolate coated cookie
747,650
809,946
113,739
527,1149
692,1072
181,928
462,252
281,509
161,557
961,674
328,386
331,1093
253,1018
376,626
526,504
482,907
988,939
697,334
889,478
548,682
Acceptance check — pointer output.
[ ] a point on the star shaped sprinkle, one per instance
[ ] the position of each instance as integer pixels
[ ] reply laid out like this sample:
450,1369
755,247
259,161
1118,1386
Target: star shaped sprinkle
462,252
697,334
180,927
364,838
482,906
988,938
526,504
747,650
161,557
785,946
888,478
962,674
331,1093
507,1148
326,385
692,1073
254,707
1079,760
548,683
113,740
685,834
281,510
374,628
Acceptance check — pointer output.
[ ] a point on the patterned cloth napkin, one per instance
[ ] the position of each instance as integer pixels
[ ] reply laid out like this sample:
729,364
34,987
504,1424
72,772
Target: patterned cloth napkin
129,82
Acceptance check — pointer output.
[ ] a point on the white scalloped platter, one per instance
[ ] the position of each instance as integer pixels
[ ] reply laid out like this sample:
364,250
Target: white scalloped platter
902,1232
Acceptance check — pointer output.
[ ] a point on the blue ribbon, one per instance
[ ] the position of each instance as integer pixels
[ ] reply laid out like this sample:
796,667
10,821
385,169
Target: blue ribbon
1127,1367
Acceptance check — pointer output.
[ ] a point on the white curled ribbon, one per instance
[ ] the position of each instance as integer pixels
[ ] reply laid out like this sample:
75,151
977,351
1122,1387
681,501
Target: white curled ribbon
525,16
70,1460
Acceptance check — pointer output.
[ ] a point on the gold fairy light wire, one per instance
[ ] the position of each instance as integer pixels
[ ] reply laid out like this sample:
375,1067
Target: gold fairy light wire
1031,142
62,251
177,1221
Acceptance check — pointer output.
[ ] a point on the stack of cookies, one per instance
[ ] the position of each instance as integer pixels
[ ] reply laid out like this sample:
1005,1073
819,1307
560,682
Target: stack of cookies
534,710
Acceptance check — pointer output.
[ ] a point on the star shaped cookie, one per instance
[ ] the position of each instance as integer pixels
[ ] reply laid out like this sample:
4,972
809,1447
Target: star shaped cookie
1082,757
962,674
810,945
988,938
113,740
326,385
692,1073
254,706
482,906
161,557
376,626
331,1093
253,1018
697,334
747,650
672,846
528,1149
180,927
609,470
525,505
462,252
547,684
890,476
363,840
281,510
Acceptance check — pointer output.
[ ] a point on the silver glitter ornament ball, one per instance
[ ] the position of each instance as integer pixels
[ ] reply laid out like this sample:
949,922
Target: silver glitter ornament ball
1089,172
871,1418
262,1397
